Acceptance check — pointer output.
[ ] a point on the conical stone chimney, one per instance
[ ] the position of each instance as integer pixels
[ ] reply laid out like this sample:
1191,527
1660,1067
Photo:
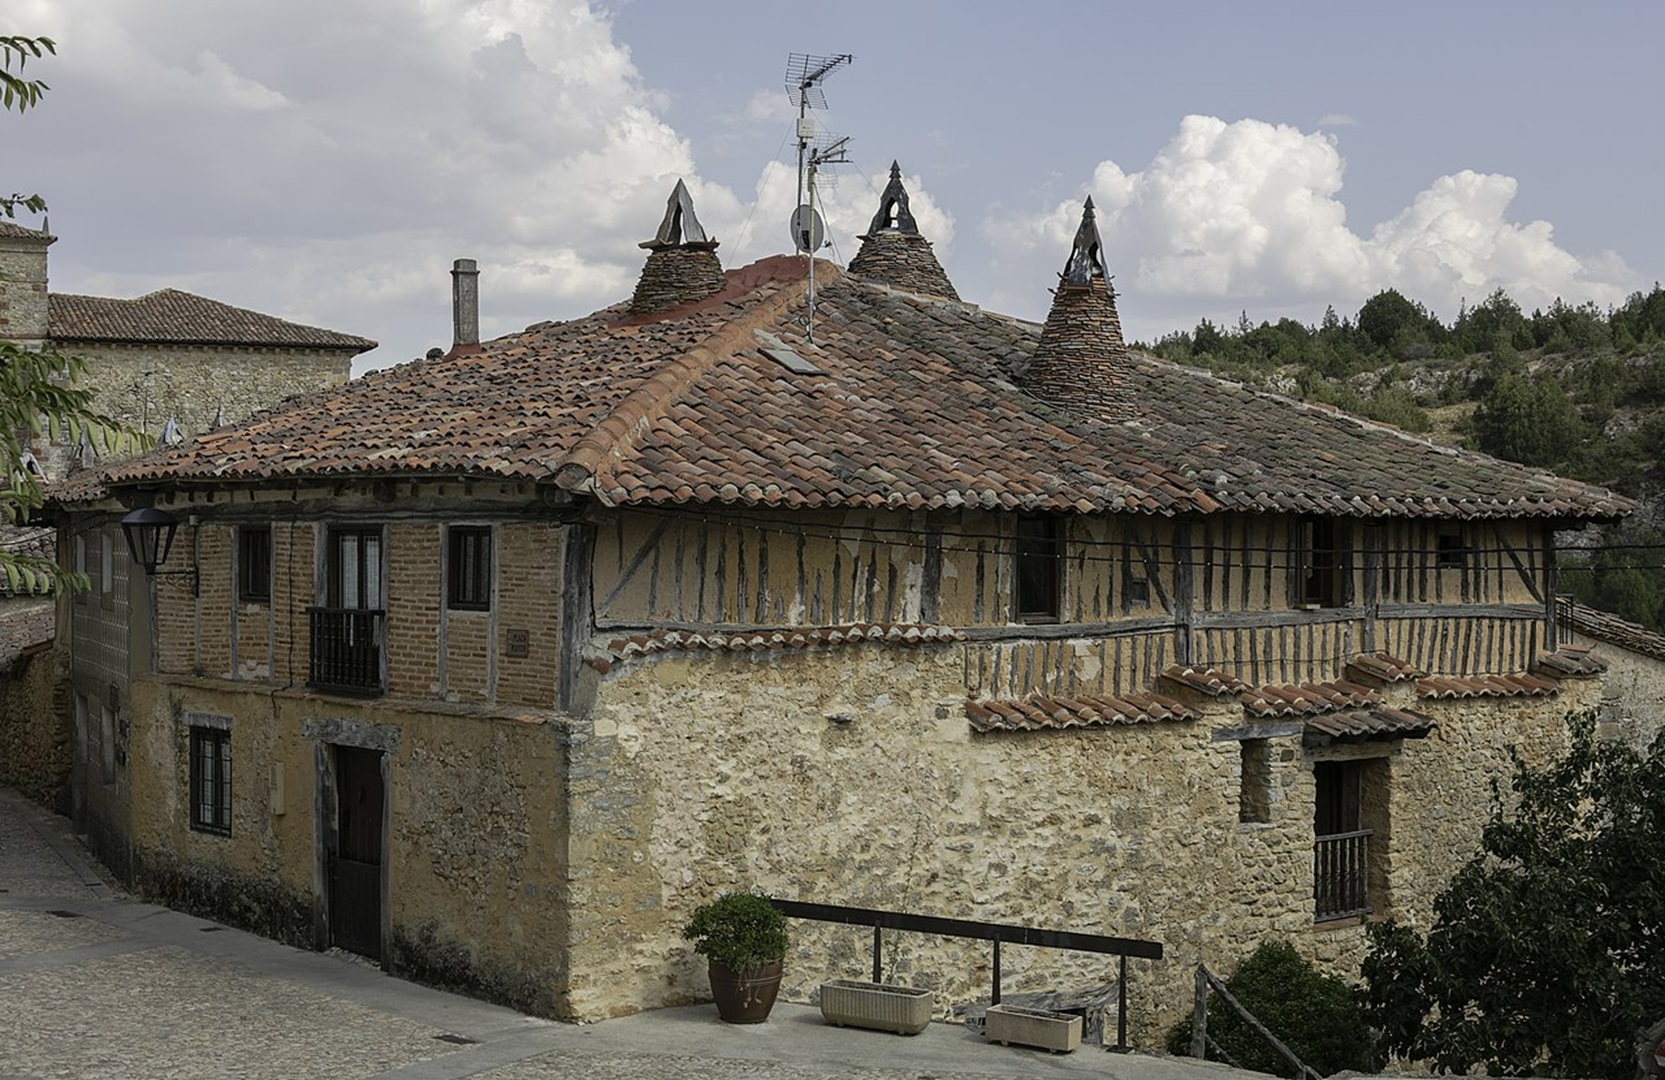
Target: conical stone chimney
1082,362
682,264
892,251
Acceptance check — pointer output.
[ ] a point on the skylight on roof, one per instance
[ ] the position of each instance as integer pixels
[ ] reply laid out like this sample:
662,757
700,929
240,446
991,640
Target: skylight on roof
791,361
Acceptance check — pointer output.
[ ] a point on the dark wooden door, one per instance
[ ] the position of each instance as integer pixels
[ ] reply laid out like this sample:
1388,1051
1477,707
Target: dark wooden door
356,875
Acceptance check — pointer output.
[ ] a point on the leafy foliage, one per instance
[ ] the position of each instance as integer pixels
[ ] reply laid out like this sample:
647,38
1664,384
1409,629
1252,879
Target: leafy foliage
740,930
1548,950
1317,1016
18,93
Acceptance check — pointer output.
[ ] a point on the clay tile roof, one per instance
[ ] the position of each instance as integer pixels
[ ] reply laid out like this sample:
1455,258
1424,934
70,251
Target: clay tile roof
1362,724
1039,712
1207,680
182,318
1451,687
914,405
803,637
1608,627
1383,667
14,230
1569,660
1307,699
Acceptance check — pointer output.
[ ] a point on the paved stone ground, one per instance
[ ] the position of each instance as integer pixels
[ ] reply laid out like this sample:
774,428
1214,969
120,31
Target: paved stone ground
96,985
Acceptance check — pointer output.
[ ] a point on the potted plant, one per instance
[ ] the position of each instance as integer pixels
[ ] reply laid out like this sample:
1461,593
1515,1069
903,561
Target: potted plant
743,938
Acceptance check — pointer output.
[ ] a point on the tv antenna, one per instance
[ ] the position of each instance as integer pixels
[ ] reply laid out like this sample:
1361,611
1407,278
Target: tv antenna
804,75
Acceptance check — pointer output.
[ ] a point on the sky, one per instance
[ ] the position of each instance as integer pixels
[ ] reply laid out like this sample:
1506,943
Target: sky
326,160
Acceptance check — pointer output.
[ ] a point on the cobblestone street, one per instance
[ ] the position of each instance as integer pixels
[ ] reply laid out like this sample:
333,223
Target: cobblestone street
94,984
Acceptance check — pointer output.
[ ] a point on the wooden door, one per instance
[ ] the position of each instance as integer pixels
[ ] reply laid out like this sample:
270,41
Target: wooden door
356,873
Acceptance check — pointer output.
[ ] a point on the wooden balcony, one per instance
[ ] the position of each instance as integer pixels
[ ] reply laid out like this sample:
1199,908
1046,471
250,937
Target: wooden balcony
347,650
1341,875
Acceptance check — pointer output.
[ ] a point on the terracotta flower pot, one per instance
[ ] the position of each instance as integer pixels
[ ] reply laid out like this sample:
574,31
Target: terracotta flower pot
744,997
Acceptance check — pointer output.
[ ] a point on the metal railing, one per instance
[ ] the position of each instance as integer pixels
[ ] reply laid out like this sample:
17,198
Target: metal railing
986,931
1341,875
347,649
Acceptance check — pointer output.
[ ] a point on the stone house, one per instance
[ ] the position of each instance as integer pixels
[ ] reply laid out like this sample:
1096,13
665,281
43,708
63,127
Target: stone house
495,665
169,363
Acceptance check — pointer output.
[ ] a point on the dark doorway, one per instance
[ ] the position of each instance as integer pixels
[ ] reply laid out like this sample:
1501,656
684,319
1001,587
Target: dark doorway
356,872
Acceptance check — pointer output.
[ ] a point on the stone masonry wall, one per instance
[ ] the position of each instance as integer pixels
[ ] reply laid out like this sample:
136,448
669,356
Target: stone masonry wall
1634,705
475,820
35,726
23,304
852,777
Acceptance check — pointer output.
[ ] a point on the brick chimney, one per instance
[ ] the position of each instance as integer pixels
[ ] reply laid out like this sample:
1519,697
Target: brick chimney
465,305
892,251
682,264
1082,362
24,318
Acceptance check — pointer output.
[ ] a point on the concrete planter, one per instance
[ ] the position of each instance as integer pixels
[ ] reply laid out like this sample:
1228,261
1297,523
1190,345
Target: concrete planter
1041,1028
846,1003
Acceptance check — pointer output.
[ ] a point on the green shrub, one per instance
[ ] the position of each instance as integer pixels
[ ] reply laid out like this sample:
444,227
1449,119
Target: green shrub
739,930
1316,1016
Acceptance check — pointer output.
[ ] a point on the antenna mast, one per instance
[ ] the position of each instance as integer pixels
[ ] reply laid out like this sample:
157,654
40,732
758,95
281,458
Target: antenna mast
804,76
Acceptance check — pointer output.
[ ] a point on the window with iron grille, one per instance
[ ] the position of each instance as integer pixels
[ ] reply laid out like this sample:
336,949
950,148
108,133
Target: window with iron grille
1040,569
211,780
254,564
468,568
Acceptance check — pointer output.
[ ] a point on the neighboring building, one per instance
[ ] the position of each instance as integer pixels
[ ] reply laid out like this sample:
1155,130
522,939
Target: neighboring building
169,361
502,662
1633,702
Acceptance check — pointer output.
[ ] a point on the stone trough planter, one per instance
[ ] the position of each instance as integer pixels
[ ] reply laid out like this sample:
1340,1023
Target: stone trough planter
1041,1028
847,1003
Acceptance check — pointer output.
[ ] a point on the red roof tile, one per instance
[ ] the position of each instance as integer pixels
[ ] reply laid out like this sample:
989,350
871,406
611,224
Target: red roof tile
1569,660
1605,626
180,318
1041,712
1452,686
1307,699
1365,724
916,406
1207,680
1383,668
803,637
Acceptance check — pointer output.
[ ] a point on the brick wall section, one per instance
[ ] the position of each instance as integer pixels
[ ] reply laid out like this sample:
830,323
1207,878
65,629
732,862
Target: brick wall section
468,644
529,599
414,595
293,547
1081,361
23,306
904,261
217,587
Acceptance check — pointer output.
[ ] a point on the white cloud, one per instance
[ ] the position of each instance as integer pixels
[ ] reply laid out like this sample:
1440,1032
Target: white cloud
1251,210
847,205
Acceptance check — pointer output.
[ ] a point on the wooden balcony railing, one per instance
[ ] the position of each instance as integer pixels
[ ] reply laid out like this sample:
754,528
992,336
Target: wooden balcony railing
347,650
1341,875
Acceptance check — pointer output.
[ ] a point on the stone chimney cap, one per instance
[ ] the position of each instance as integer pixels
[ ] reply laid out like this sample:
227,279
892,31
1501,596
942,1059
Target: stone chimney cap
1086,259
681,226
893,214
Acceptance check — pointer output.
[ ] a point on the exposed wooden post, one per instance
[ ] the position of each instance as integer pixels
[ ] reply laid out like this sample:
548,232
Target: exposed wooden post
878,968
994,994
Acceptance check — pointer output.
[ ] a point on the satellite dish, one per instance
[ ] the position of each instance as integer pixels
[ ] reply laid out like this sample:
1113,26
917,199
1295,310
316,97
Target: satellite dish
809,232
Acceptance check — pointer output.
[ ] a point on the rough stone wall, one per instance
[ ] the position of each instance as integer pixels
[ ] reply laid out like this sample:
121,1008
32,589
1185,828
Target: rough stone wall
35,726
904,261
1634,705
851,777
144,385
23,304
475,893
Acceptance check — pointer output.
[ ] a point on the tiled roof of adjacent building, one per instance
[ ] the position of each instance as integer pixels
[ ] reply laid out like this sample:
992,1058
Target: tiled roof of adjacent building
1365,724
181,318
1607,627
1040,712
14,230
907,401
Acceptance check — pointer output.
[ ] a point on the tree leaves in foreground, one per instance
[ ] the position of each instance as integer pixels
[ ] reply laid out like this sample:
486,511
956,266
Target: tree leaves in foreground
18,93
39,399
1548,949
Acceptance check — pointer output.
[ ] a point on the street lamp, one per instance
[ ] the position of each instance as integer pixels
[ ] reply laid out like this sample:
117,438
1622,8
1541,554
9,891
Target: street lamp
149,534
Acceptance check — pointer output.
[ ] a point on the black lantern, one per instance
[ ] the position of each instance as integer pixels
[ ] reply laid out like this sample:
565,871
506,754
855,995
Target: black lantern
149,533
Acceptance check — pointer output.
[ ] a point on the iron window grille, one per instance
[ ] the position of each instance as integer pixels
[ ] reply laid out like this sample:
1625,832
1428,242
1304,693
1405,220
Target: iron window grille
468,568
211,780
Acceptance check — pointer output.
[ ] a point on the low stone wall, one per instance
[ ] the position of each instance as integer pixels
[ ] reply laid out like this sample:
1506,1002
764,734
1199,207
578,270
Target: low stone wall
36,727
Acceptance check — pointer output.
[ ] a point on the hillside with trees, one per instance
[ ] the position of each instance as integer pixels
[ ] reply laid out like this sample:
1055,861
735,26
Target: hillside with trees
1579,391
